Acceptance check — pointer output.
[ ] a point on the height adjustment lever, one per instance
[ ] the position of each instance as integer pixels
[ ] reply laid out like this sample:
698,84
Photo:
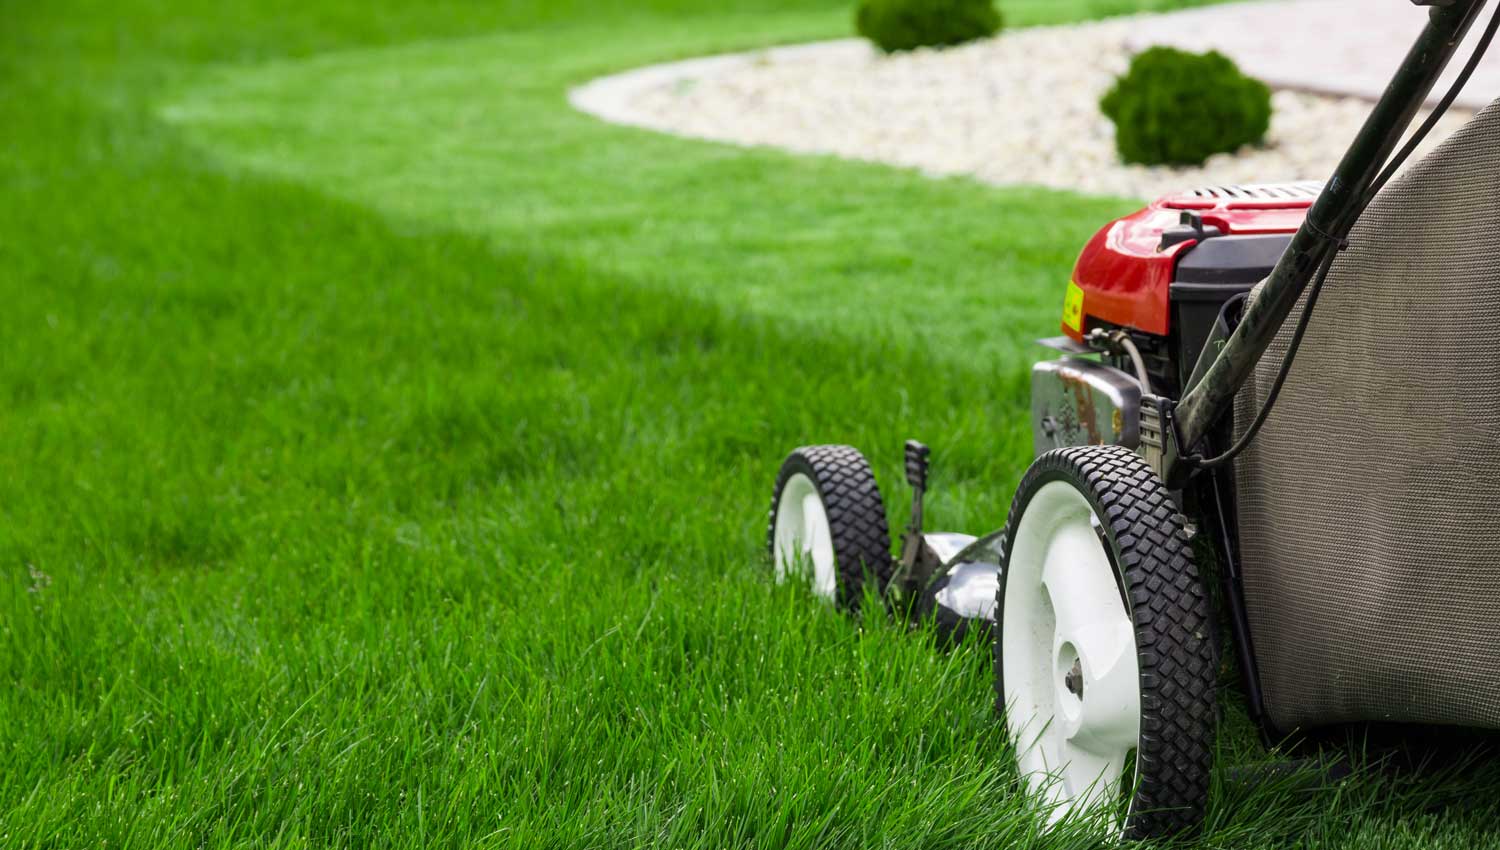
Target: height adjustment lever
916,464
909,577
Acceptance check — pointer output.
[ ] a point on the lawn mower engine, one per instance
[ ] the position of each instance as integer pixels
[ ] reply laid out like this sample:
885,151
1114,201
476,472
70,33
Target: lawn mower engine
1145,294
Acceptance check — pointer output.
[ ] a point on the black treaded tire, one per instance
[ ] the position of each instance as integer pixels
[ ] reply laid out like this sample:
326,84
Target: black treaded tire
1169,607
856,515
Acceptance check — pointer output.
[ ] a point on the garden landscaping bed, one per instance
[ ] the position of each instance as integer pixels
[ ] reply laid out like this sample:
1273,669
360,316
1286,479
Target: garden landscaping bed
1021,108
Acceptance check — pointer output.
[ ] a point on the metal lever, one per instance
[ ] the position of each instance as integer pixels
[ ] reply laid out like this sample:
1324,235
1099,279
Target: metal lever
906,580
916,476
916,464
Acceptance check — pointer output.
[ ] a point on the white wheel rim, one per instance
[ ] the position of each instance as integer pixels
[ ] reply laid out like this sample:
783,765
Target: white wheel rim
1065,631
803,538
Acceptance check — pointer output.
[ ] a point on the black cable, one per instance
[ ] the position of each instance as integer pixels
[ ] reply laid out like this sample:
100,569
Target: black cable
1338,242
1286,368
1459,82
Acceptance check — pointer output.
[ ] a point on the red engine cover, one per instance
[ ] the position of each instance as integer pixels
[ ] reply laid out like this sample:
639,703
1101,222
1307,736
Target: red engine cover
1124,275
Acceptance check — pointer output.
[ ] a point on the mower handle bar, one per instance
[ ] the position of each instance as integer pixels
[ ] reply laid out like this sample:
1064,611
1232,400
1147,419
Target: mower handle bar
1327,223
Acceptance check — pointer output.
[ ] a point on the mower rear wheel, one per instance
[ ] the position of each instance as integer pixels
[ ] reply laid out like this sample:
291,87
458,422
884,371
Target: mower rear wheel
828,523
1105,663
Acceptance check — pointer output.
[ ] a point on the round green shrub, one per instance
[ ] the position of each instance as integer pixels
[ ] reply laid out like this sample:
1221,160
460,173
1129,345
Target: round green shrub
1178,108
908,24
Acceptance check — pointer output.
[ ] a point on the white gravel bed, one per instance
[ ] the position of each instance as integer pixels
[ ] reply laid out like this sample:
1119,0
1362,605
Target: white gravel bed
1021,108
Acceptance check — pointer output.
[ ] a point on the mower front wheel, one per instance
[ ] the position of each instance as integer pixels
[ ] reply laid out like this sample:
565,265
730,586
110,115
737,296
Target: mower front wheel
828,524
1105,662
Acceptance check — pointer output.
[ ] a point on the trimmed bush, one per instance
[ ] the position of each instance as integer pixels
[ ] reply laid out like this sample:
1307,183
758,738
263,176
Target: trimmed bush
1178,108
908,24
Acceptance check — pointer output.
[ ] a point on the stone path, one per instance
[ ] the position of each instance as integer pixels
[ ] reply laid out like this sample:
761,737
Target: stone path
1342,47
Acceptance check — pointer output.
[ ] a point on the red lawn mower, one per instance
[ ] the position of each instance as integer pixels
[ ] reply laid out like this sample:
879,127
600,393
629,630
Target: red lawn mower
1349,544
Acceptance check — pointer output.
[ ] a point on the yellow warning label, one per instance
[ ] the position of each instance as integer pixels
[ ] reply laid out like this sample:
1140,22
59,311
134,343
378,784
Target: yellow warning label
1073,308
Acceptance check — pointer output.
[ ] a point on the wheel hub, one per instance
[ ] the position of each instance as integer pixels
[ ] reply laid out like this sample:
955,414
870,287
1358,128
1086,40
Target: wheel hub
1073,681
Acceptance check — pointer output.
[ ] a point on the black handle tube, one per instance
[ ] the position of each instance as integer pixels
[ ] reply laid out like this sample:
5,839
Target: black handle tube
1327,220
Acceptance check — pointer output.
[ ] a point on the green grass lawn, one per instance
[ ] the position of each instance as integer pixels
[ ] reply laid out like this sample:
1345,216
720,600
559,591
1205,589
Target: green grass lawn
385,448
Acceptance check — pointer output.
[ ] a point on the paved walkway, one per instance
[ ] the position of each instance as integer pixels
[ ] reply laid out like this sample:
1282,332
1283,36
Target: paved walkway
1327,46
